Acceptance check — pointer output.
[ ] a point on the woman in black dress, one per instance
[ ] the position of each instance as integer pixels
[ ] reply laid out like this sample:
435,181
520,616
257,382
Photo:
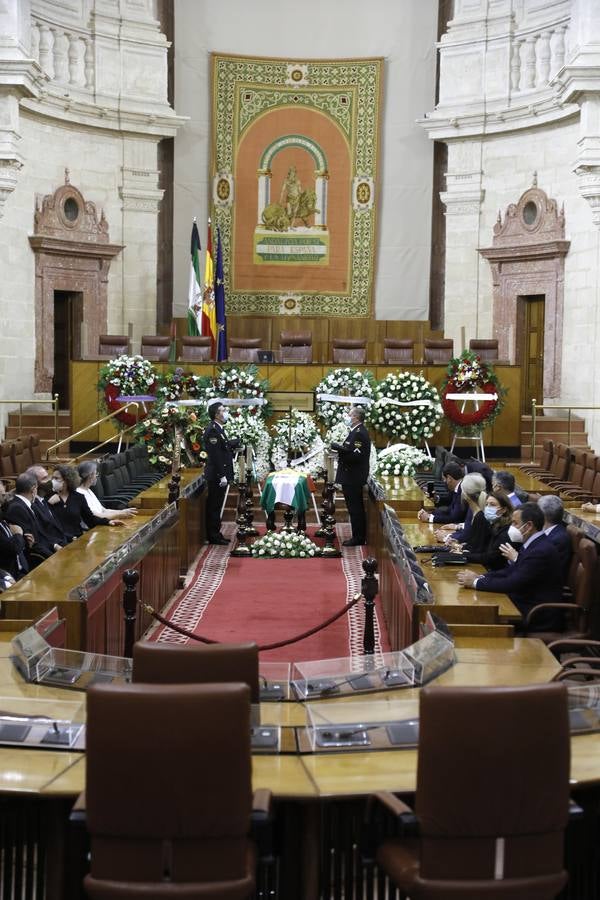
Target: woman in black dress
70,507
498,512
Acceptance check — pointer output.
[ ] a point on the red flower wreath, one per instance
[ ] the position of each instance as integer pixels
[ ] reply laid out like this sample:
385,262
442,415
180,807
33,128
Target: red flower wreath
111,392
464,418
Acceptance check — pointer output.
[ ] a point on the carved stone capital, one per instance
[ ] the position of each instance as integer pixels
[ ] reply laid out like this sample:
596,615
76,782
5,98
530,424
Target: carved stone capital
588,183
9,173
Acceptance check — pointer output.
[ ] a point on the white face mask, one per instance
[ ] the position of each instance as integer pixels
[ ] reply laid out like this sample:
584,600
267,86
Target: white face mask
224,415
57,485
515,535
348,421
491,513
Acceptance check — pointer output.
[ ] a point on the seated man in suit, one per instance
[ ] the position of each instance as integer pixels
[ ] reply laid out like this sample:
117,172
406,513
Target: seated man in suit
452,474
19,511
505,481
534,576
13,560
48,522
555,529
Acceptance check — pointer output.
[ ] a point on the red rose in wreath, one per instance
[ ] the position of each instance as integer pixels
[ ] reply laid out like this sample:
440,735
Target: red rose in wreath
111,392
470,415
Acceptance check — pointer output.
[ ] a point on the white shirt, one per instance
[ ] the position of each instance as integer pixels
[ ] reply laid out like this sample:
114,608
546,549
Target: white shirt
94,504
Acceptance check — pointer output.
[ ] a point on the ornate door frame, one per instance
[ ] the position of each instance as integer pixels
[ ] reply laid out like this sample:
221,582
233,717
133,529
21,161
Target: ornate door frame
527,257
72,253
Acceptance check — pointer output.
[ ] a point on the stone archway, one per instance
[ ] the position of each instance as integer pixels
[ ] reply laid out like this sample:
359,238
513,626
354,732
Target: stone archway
72,254
527,258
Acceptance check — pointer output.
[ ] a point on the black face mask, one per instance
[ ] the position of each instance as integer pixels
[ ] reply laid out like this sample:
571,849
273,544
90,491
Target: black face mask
45,489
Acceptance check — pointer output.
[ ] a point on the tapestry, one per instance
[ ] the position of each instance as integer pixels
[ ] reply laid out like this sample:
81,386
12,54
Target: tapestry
295,150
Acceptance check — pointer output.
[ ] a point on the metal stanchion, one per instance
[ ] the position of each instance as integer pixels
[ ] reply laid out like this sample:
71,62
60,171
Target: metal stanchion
130,580
369,588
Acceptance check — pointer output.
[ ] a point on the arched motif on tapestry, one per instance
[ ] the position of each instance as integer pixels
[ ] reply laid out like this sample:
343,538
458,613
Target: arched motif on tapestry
321,173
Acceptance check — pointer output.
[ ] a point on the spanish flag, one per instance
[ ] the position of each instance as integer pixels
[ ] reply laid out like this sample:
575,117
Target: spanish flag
209,314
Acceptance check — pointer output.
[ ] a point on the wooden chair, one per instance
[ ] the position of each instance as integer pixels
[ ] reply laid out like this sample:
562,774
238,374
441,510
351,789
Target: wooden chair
398,351
196,349
486,350
188,837
349,351
438,352
244,349
111,345
156,347
295,347
486,824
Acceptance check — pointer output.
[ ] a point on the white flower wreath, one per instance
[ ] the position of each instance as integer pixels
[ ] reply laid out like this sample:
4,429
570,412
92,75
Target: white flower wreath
235,382
342,382
305,442
250,429
407,406
284,544
400,459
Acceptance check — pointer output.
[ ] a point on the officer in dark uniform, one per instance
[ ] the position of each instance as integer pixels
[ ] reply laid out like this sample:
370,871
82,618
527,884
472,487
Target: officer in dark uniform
218,470
353,471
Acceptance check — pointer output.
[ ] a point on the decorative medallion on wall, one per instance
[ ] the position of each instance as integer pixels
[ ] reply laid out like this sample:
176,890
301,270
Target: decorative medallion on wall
300,142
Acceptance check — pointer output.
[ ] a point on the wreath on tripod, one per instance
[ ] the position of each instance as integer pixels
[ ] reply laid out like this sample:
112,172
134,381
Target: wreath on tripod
469,374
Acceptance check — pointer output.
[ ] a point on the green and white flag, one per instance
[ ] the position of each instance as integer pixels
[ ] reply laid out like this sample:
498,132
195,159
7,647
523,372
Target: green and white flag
195,289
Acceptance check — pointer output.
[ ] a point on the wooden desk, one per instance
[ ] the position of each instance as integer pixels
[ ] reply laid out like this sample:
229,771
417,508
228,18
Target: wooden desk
528,483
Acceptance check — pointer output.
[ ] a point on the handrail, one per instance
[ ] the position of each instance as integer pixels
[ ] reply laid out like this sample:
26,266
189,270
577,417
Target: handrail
106,418
535,406
53,403
109,440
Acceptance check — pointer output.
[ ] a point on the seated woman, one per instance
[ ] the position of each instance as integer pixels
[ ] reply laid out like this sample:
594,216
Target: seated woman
498,513
476,533
69,507
88,472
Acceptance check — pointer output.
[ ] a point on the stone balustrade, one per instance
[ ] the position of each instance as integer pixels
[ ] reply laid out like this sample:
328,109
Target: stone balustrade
65,55
536,56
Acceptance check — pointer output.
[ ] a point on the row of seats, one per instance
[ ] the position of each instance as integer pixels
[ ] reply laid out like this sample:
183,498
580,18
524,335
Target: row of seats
121,476
573,472
295,348
17,455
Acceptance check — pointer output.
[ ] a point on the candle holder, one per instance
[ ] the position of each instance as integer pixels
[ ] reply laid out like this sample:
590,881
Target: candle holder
242,535
320,532
249,506
174,488
288,518
328,529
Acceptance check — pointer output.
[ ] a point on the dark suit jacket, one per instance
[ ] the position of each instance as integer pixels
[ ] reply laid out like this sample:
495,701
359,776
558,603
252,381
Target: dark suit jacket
561,539
490,556
353,457
48,522
456,512
534,578
12,552
18,512
218,448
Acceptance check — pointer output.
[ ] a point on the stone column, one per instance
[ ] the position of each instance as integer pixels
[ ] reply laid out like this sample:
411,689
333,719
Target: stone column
321,179
264,192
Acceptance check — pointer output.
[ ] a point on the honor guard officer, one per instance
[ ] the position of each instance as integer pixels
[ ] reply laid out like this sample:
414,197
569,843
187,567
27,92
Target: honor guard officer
218,470
353,471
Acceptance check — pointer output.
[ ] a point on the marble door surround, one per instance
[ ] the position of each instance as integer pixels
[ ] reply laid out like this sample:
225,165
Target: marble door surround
72,253
527,257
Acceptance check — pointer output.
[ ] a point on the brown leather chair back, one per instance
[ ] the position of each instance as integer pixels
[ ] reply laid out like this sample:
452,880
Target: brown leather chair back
438,352
348,350
188,830
561,462
295,347
486,350
156,347
244,349
35,448
111,345
578,466
589,472
196,663
19,458
195,349
575,534
547,454
493,784
7,462
398,351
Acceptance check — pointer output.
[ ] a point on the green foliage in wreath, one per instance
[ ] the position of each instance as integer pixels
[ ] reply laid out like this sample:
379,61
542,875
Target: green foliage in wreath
344,382
407,407
468,373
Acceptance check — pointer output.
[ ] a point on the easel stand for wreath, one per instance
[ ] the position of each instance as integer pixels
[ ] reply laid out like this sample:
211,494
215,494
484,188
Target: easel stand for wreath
480,402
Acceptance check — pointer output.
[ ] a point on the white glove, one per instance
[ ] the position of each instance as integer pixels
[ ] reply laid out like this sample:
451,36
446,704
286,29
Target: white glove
223,482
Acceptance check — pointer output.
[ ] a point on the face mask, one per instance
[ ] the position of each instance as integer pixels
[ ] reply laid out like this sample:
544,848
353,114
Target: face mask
515,535
348,421
45,489
57,485
224,415
491,513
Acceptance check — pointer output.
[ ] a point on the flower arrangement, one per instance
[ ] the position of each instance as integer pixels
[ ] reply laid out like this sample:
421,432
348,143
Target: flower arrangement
232,381
401,459
406,406
251,429
125,376
347,383
157,431
283,545
304,438
468,373
338,434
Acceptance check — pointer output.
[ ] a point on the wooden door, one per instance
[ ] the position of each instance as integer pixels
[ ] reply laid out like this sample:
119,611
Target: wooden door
531,347
68,315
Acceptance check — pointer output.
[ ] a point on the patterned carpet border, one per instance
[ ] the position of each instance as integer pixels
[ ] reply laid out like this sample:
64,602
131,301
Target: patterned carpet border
188,607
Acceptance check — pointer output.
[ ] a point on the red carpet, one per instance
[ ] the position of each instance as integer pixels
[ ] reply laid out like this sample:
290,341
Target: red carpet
232,599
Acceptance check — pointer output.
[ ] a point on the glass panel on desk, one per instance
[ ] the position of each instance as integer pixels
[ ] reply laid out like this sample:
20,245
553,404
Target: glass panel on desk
274,681
323,678
44,724
430,656
74,668
360,726
584,707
